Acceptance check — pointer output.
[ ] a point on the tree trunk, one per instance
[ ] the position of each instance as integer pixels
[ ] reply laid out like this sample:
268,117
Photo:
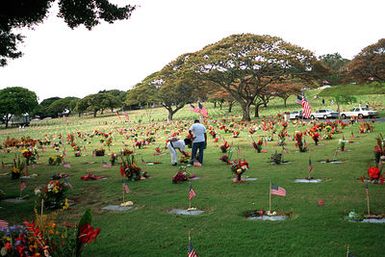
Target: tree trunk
285,101
215,104
256,111
220,105
95,111
230,106
170,114
102,111
246,111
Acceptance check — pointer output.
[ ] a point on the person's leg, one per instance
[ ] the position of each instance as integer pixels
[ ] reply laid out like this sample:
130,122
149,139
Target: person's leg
172,154
194,152
200,155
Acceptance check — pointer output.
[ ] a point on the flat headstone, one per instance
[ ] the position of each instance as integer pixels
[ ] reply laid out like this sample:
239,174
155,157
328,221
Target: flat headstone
195,178
333,162
14,200
303,180
186,212
372,220
117,208
270,218
249,179
282,163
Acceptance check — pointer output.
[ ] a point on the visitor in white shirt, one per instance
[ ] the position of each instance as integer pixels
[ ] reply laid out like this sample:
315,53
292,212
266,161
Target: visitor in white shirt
199,136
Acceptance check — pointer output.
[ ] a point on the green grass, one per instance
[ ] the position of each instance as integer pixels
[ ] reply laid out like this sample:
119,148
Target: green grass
351,89
222,230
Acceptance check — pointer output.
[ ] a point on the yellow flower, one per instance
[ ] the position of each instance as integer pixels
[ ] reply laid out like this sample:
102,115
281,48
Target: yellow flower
66,204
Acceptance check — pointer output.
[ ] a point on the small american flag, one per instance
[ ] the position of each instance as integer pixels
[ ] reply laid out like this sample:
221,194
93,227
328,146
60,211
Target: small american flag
125,188
306,109
191,193
276,190
191,250
310,166
3,224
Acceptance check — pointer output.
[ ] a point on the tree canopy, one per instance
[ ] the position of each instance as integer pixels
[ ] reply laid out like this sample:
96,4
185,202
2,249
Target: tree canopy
369,64
245,64
172,87
336,64
29,13
16,101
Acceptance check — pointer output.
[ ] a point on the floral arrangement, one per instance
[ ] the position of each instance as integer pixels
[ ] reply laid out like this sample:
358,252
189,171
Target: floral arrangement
54,195
182,175
366,127
126,152
113,158
374,174
78,154
55,160
300,142
132,171
252,130
43,237
184,158
235,134
276,158
315,136
17,168
342,143
379,149
258,145
99,152
225,147
30,155
239,167
282,137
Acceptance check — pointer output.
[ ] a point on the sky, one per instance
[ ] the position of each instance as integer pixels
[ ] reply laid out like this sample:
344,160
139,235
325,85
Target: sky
59,61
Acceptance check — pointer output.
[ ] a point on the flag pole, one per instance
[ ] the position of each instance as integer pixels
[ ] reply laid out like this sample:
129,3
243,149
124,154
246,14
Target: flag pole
189,200
123,193
270,197
347,251
367,198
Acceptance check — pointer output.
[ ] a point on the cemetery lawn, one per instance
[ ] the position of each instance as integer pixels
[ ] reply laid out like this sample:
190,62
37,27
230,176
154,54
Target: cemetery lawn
222,230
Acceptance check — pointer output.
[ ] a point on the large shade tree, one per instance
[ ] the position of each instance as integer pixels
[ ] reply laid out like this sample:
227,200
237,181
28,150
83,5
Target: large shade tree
28,13
336,64
245,64
16,101
172,87
369,64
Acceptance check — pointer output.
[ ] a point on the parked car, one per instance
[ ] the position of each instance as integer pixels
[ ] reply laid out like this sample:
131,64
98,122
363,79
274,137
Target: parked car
295,115
324,114
359,112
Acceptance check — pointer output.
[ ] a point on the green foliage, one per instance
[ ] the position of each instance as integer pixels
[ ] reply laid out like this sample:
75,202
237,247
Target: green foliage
369,64
245,64
352,89
335,62
16,101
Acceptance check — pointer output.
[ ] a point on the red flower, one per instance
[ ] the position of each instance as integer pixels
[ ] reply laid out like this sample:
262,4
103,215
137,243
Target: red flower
374,172
122,171
88,234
